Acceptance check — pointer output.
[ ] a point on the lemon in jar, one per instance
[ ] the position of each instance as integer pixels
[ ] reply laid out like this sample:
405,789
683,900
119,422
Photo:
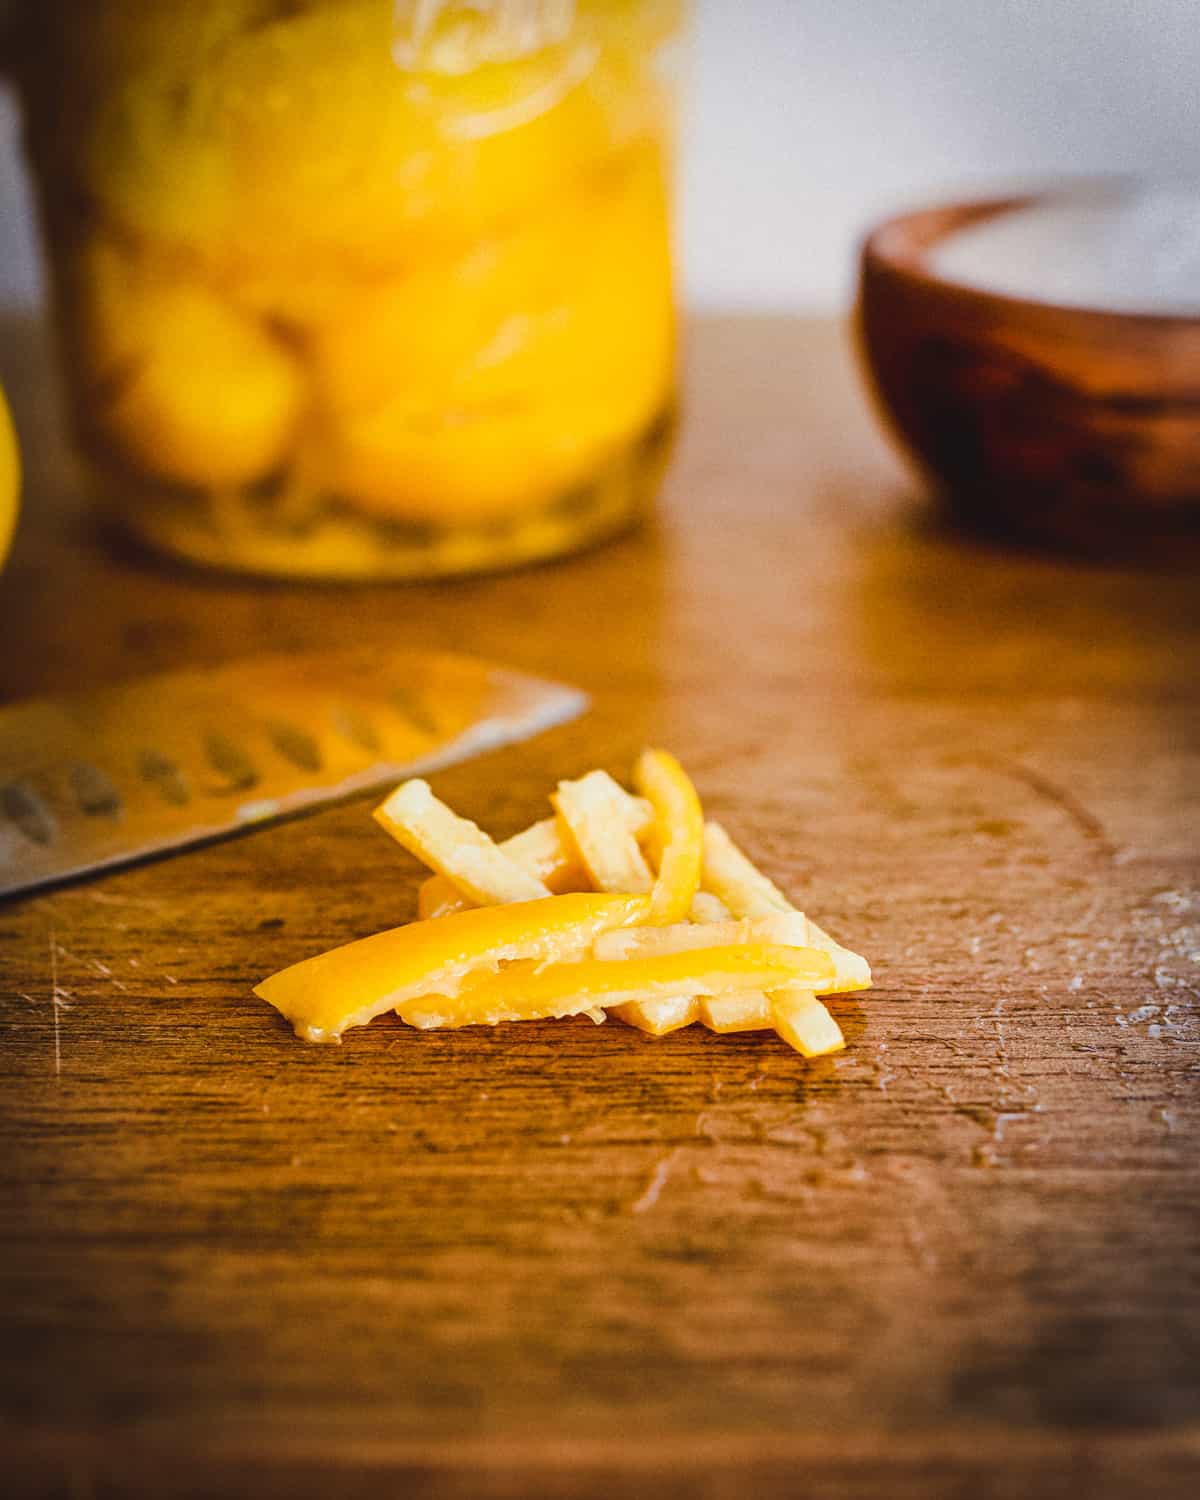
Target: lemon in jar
179,383
494,381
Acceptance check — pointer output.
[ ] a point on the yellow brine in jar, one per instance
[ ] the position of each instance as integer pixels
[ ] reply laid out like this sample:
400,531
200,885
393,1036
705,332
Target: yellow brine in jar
360,287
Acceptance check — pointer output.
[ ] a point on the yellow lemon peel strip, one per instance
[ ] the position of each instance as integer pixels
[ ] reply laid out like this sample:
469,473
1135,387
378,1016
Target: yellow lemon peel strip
597,815
455,847
804,1023
680,826
531,991
750,1010
537,850
747,892
660,1017
788,929
323,996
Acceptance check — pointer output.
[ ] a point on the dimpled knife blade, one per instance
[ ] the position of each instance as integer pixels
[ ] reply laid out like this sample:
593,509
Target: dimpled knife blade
157,763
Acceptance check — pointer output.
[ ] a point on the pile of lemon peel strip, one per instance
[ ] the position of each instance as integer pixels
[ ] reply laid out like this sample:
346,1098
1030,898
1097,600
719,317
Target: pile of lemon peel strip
621,904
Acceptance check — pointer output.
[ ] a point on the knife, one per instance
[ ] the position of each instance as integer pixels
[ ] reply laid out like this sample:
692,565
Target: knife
158,763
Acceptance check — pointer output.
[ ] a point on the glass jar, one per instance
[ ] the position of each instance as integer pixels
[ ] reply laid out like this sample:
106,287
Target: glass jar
359,287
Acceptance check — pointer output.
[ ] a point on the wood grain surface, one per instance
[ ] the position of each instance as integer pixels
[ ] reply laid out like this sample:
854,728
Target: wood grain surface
962,1258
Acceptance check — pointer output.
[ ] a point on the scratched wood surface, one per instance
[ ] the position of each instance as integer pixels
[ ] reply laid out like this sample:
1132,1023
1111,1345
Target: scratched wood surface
962,1258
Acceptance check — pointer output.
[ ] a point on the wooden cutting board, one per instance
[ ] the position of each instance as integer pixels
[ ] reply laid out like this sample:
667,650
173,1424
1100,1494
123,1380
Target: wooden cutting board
961,1258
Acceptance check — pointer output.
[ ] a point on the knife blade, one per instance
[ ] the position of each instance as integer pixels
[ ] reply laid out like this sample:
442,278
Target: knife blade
162,762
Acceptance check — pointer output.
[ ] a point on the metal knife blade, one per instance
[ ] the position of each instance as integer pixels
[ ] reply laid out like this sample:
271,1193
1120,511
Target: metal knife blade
158,763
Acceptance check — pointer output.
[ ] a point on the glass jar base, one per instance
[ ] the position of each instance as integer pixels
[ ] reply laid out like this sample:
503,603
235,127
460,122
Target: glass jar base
257,535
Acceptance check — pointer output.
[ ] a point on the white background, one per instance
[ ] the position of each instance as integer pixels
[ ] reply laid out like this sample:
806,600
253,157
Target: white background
807,119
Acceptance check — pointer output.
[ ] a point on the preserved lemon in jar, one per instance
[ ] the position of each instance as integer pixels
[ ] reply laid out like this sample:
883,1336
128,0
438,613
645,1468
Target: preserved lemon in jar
360,287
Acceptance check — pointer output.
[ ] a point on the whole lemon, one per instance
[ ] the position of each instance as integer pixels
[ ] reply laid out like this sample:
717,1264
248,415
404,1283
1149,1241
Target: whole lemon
10,479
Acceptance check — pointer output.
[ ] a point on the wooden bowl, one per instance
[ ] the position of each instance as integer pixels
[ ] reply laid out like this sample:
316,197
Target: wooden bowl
1076,426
